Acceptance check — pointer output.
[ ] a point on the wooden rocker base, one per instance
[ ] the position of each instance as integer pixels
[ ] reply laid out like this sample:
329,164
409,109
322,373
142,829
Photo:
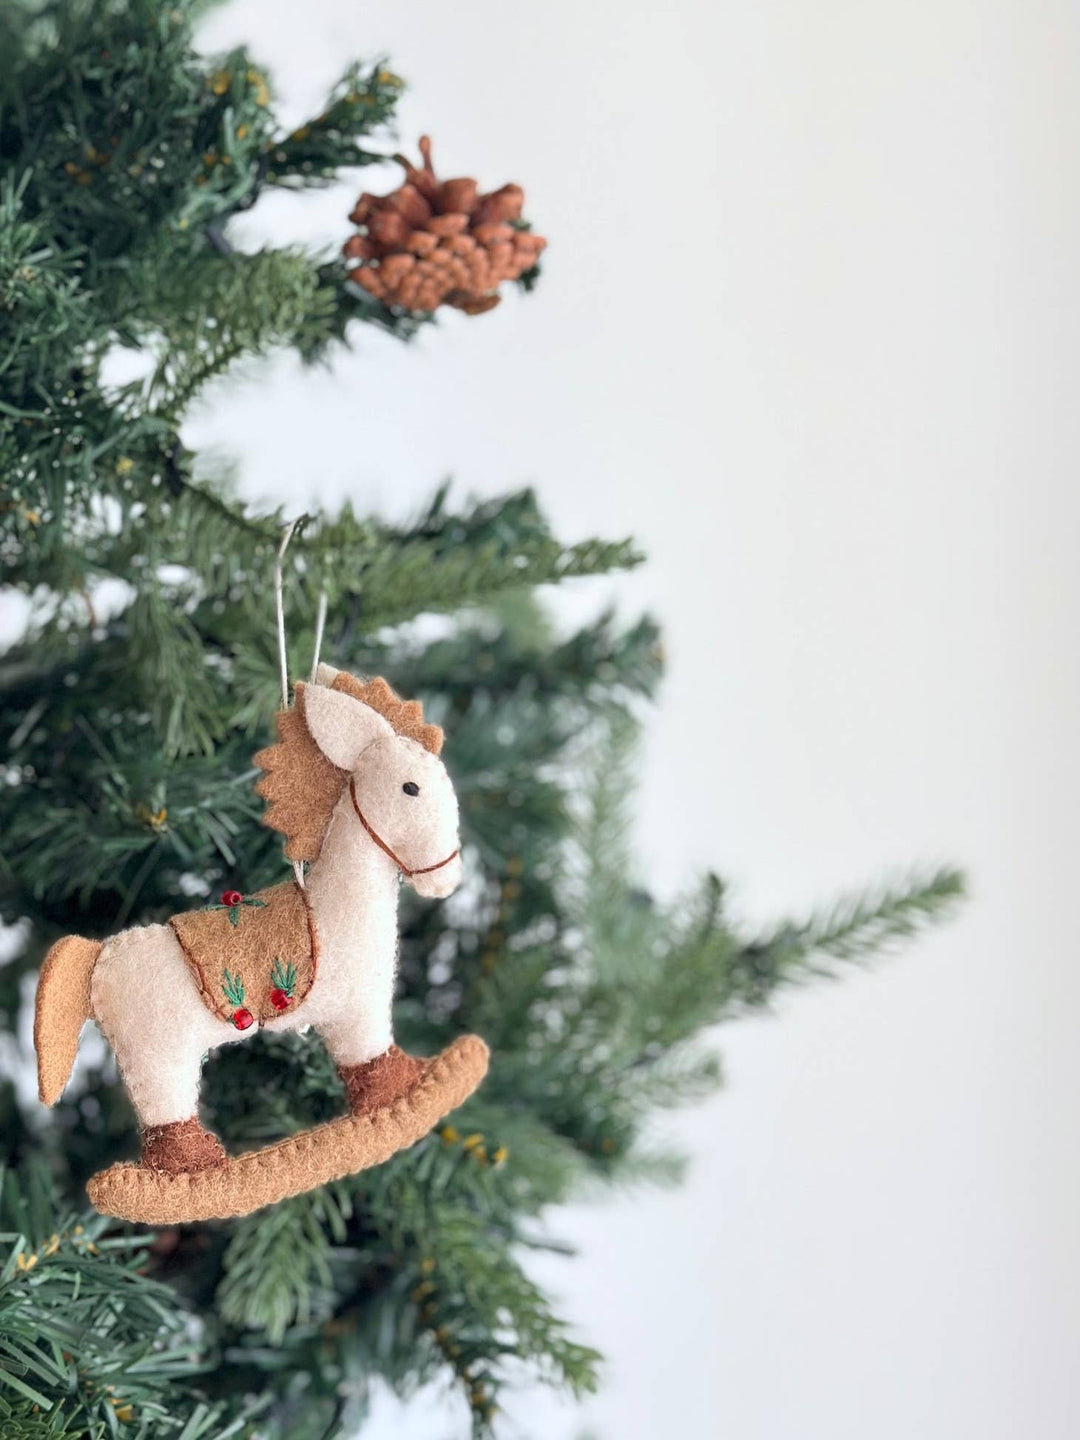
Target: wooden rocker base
341,1147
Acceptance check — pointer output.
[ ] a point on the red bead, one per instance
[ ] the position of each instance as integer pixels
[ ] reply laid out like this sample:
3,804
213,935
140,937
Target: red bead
231,898
242,1018
280,999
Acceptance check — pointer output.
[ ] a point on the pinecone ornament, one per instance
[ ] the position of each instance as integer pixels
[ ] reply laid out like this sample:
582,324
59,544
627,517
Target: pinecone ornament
432,242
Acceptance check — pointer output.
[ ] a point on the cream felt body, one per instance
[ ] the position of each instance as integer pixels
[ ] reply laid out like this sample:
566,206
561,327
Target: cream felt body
396,814
146,1002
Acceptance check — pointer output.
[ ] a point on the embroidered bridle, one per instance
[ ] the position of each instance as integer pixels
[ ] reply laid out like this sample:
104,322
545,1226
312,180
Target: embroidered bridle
420,870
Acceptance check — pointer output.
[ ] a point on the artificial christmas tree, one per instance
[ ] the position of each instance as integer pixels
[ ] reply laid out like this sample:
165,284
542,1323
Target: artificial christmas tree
128,724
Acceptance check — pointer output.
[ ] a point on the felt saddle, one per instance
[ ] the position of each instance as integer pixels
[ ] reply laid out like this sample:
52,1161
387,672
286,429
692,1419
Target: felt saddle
253,957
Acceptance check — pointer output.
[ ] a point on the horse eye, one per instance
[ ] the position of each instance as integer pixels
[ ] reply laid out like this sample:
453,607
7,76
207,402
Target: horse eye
411,788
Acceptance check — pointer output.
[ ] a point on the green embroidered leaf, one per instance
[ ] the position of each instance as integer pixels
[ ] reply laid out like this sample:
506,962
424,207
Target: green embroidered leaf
283,977
234,915
233,987
255,904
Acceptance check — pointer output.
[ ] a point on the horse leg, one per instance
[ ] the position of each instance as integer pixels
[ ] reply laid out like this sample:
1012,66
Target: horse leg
150,1011
374,1070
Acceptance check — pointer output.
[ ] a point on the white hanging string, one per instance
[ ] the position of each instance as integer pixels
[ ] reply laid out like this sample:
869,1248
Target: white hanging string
320,626
283,657
279,601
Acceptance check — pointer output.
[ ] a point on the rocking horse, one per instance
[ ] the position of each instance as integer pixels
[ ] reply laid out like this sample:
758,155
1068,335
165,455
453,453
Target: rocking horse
356,785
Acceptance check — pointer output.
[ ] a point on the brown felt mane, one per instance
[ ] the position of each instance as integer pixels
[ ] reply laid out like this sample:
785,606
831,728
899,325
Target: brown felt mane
301,786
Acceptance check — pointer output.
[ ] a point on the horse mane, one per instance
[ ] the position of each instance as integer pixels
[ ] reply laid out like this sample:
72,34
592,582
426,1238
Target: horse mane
301,786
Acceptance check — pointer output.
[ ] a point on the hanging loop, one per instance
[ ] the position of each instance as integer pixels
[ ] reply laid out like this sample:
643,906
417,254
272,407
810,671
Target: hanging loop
320,626
279,601
283,654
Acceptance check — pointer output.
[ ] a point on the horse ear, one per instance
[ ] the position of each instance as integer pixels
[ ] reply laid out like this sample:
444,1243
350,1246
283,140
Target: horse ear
341,727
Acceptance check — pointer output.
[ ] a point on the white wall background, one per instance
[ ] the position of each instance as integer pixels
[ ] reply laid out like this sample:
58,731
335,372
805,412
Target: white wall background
809,329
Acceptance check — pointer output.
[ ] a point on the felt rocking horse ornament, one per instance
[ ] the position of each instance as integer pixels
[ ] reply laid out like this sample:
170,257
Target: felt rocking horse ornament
356,785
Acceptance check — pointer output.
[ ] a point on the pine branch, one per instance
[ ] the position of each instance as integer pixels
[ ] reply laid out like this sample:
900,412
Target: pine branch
635,986
86,1340
212,311
363,101
125,150
853,929
467,1293
277,1266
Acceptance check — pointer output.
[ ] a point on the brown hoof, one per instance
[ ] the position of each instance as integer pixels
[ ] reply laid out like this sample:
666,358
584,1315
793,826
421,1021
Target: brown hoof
379,1082
182,1147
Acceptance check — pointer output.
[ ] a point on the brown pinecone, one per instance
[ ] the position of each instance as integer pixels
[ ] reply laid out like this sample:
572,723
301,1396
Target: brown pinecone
432,242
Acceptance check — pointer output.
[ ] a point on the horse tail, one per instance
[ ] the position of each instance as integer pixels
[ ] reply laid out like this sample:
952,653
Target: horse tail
63,1004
